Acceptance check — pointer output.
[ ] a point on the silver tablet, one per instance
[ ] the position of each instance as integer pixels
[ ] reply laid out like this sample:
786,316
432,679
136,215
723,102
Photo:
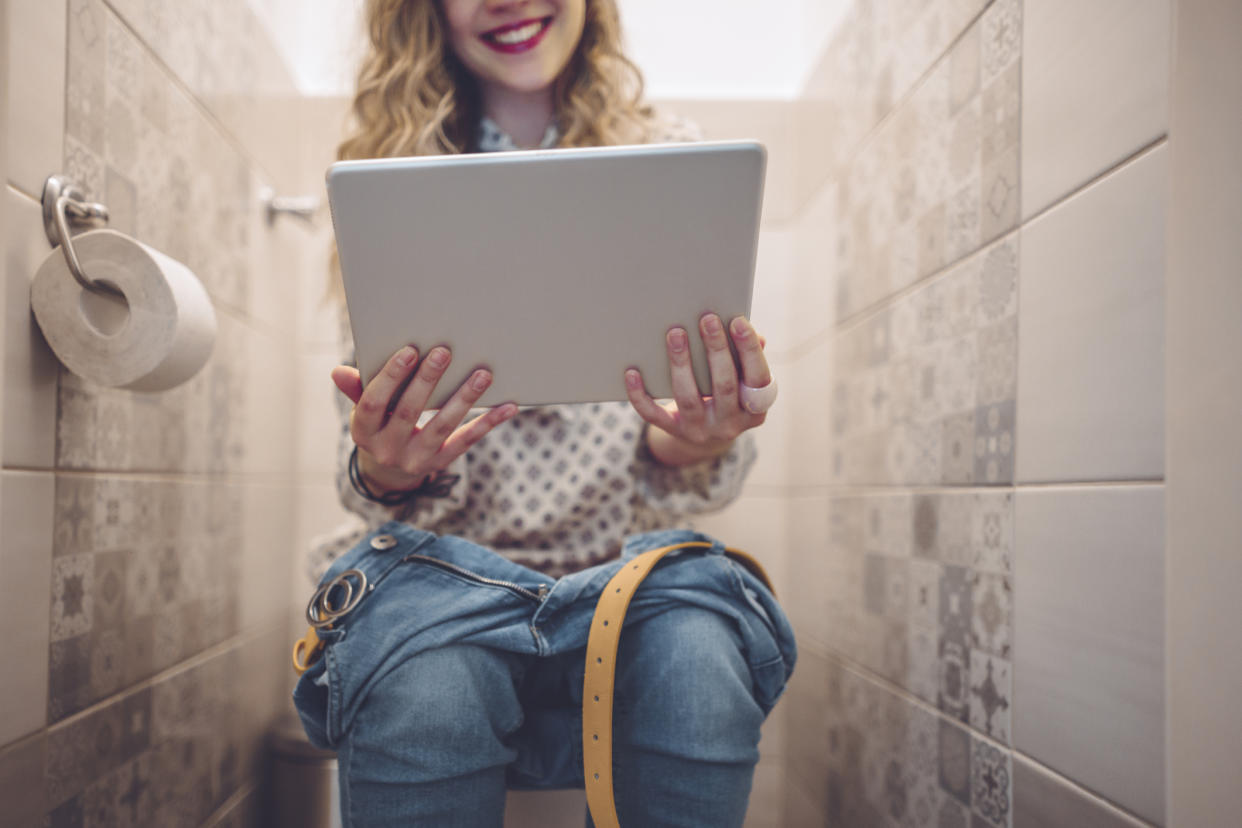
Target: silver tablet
555,269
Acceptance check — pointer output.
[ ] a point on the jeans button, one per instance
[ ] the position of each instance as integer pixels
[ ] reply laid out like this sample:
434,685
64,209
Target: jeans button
382,542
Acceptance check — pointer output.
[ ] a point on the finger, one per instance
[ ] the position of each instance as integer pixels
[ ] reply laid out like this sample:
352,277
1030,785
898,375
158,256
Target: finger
647,408
440,427
755,370
414,399
373,403
720,363
472,432
685,389
349,381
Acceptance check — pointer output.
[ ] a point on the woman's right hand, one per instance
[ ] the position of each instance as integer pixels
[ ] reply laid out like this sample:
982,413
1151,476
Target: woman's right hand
393,452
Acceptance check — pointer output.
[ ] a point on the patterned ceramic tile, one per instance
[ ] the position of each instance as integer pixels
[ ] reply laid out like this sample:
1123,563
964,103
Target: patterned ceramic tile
992,614
923,667
994,442
991,783
72,596
955,761
992,532
991,691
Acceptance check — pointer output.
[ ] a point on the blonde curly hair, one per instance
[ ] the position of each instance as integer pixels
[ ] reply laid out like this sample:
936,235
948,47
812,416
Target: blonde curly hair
414,97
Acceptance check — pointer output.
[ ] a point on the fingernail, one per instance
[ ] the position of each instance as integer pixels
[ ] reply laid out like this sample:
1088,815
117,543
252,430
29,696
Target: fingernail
711,324
508,410
405,357
677,340
632,379
480,380
438,357
739,328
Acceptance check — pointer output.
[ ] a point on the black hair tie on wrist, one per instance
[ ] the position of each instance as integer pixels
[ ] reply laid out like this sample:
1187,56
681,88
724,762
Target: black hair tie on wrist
436,485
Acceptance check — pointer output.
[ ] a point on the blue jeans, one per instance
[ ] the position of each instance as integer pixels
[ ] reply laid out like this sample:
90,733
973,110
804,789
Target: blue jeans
439,691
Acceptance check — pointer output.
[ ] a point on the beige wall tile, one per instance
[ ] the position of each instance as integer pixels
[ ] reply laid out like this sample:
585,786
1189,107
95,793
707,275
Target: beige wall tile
1089,648
813,294
544,809
270,426
809,586
755,524
265,593
30,368
26,504
1095,88
1041,799
772,123
774,289
1091,332
36,79
318,424
1204,392
806,400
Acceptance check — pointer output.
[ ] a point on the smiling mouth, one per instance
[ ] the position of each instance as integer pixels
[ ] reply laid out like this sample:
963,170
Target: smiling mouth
517,37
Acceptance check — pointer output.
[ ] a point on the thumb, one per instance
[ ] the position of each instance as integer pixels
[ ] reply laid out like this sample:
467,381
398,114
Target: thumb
349,381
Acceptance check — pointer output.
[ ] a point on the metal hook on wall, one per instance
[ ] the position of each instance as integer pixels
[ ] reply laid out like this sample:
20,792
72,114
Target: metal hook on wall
64,202
301,207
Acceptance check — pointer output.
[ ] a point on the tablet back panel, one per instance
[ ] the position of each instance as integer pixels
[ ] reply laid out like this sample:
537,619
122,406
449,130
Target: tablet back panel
556,269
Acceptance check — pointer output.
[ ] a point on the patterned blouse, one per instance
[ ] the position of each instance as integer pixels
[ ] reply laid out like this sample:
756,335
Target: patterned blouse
556,488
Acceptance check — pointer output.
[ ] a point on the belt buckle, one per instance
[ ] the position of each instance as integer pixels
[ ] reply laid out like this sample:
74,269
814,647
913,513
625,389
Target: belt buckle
322,610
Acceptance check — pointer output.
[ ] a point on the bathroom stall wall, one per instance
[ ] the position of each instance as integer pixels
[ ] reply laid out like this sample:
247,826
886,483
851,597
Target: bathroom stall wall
146,539
976,522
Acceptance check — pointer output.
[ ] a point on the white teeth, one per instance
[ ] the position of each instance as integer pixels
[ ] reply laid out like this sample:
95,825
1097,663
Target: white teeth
518,35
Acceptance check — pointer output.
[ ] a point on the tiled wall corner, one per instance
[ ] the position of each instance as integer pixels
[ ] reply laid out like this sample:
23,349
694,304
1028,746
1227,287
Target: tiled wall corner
1095,89
1089,638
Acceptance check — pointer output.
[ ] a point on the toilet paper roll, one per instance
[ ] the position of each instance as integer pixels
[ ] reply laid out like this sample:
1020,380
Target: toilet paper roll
156,335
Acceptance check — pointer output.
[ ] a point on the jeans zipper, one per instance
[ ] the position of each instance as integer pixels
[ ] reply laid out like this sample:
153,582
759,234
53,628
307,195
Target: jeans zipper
474,576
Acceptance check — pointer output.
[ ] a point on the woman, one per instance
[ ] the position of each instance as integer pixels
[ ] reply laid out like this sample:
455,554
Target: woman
450,689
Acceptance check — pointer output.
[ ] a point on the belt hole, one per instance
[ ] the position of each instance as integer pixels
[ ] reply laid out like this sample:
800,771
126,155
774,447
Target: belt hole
605,622
636,566
597,776
599,661
618,589
597,698
595,737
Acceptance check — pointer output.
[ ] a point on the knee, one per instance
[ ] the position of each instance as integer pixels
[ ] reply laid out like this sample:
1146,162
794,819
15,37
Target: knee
447,710
685,672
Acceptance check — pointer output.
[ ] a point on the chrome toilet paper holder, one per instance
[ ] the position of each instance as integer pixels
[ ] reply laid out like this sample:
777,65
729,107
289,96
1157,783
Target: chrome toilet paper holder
64,202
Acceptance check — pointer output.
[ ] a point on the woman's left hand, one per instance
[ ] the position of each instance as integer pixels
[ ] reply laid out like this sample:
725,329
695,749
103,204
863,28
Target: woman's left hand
695,428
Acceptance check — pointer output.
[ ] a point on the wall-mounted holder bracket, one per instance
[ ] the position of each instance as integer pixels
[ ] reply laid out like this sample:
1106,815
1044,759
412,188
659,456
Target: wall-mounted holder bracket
301,207
64,202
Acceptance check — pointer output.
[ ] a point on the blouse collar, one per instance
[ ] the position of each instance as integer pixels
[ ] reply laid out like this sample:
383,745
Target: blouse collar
491,138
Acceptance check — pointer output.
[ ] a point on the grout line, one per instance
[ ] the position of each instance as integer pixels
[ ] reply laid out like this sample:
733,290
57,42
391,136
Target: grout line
851,155
842,490
239,796
819,648
237,641
868,312
862,672
138,475
225,132
1149,147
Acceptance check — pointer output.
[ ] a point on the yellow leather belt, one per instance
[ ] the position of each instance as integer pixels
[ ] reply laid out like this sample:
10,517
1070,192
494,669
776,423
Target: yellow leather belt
601,664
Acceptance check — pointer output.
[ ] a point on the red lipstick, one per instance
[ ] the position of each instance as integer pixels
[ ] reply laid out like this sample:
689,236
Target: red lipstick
501,38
